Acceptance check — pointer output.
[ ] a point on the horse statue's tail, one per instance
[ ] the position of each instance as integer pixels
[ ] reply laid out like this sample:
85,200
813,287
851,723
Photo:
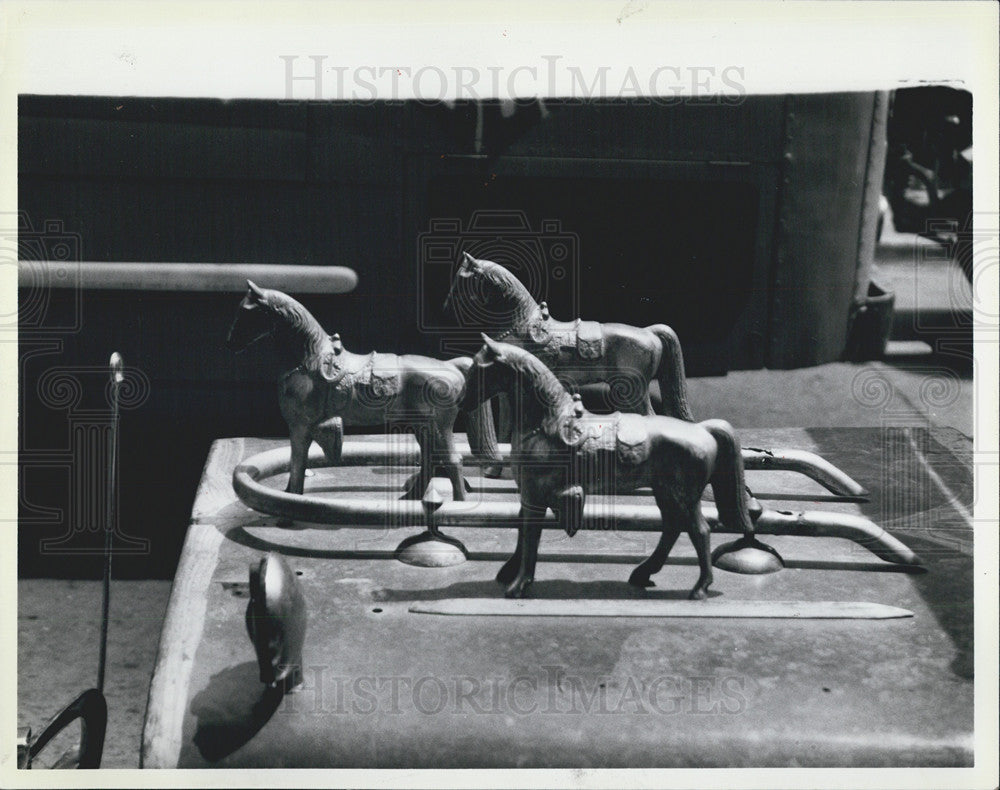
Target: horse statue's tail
728,478
670,374
480,428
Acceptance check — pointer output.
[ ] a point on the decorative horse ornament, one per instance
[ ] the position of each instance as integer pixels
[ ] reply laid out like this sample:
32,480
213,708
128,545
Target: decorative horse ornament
562,453
331,386
579,352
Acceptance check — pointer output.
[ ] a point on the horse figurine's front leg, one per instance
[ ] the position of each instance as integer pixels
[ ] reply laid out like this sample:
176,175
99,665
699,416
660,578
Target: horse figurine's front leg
301,438
568,507
509,569
481,431
329,435
530,532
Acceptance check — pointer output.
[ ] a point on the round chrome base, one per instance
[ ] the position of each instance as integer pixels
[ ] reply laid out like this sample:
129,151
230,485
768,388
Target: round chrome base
431,550
747,555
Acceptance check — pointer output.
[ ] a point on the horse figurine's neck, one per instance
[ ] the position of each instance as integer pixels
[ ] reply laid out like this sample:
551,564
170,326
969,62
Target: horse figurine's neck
543,400
296,332
511,299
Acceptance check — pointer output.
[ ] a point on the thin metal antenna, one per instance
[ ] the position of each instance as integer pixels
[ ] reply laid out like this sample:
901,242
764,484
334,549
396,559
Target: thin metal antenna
117,365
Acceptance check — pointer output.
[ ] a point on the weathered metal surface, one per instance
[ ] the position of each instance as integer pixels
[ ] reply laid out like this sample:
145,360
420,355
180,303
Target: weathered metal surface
388,688
826,162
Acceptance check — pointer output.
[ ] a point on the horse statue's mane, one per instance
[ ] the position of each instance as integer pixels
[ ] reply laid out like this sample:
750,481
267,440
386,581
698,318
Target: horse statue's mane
291,310
504,278
552,394
511,287
298,323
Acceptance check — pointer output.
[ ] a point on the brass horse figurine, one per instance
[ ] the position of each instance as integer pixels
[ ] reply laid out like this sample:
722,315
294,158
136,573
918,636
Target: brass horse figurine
560,452
330,386
625,357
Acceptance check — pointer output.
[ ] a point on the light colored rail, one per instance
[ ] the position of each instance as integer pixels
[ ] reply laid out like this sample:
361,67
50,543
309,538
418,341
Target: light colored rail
381,512
195,277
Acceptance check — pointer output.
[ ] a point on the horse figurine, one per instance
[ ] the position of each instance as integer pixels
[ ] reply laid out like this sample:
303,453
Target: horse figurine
561,452
331,386
578,352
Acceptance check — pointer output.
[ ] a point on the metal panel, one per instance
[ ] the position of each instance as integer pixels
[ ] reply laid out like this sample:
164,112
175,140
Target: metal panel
819,221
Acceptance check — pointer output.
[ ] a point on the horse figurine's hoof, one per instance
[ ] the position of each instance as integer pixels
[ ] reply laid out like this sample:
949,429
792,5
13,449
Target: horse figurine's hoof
412,492
747,555
493,471
506,574
517,589
698,594
638,579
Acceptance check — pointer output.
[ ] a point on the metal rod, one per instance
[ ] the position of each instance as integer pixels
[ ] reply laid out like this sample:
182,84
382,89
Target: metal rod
197,277
602,607
403,450
809,464
117,376
396,513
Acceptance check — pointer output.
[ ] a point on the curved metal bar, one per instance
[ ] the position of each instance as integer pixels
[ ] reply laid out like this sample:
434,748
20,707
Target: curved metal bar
395,513
402,450
809,464
92,709
824,524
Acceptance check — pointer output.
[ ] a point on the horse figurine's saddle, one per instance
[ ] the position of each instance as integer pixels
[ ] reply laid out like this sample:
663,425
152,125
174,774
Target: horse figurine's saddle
585,337
347,372
625,434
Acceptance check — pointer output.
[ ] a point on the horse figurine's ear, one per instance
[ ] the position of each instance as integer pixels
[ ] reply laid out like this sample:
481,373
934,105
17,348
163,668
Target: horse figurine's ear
469,263
491,350
254,292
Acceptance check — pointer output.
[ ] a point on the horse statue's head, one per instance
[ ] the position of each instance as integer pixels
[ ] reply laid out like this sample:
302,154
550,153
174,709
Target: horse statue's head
534,389
486,294
266,312
254,318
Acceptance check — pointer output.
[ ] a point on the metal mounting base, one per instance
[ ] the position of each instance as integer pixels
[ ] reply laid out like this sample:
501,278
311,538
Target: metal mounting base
747,555
431,550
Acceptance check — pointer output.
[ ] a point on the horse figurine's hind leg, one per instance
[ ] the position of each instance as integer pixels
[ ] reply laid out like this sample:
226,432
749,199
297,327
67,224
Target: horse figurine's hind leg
699,532
436,439
734,503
